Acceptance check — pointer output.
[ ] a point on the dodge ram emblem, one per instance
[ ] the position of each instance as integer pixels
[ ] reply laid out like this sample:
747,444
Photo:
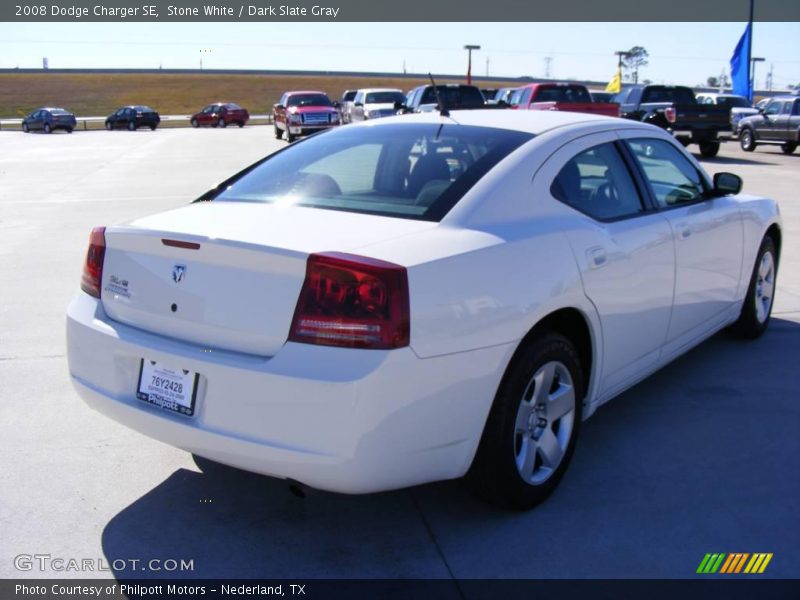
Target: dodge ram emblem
178,271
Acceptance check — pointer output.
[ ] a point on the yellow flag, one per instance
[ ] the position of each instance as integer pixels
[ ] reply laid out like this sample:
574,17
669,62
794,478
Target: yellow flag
615,85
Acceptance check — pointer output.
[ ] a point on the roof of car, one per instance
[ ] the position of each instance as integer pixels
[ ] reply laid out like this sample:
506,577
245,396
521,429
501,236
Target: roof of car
531,121
293,92
370,90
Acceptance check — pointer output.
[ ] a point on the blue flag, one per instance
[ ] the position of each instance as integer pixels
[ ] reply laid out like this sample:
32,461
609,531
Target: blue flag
740,65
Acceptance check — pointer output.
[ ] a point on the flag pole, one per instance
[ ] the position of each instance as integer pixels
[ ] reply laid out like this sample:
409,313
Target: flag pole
750,64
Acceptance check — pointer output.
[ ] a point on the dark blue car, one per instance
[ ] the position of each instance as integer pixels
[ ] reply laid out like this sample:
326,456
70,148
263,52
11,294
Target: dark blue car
48,120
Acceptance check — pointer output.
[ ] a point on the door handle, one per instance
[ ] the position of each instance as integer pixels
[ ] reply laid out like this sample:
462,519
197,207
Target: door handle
684,230
597,256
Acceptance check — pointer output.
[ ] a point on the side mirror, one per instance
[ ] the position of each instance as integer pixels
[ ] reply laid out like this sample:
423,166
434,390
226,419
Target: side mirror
399,105
278,106
337,104
727,183
761,110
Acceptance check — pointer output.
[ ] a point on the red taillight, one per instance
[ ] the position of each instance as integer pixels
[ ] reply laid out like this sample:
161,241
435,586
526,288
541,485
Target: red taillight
93,267
669,113
352,301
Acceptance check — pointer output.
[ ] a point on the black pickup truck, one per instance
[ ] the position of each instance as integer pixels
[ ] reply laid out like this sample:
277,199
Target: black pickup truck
675,109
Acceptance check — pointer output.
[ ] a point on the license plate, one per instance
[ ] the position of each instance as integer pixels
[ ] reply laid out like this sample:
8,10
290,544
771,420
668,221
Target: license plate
170,388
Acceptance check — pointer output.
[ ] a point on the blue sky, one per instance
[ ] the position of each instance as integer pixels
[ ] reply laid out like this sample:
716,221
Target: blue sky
684,53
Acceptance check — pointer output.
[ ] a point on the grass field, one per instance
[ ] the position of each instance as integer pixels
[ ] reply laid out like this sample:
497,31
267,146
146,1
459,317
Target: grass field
99,94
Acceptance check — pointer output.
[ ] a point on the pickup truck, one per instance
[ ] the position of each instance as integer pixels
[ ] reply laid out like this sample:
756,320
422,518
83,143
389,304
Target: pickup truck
777,123
562,96
675,108
303,113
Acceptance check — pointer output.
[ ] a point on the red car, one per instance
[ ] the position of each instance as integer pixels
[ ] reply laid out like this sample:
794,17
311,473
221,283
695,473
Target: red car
561,96
303,113
221,114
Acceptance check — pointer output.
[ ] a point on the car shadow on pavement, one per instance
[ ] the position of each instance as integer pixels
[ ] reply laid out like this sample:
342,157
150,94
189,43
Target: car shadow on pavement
728,160
694,459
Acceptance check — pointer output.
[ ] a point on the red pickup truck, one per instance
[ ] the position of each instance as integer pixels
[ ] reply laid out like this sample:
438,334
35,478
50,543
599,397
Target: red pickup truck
561,96
303,113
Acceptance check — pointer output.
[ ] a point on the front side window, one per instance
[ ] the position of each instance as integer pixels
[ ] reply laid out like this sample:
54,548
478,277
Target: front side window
773,108
672,178
597,183
417,171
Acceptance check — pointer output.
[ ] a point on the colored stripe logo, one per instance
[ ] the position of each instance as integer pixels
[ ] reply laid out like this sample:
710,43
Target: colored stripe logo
737,562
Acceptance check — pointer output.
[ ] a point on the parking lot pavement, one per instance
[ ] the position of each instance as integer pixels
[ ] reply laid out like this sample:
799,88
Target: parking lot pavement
701,457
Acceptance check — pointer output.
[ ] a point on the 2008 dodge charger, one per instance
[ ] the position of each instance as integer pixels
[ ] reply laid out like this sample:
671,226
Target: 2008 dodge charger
419,298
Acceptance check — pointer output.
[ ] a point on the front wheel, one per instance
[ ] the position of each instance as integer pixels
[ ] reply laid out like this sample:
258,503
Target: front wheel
108,126
757,306
240,124
788,147
47,128
289,137
709,149
25,128
747,140
278,132
221,122
131,126
195,124
532,427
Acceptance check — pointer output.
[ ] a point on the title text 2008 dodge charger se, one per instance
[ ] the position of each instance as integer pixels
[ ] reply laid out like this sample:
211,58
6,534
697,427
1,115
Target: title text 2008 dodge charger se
419,298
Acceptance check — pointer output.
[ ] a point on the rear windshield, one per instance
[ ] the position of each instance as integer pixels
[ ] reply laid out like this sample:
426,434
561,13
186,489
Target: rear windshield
570,94
662,93
413,171
308,100
461,96
385,97
733,101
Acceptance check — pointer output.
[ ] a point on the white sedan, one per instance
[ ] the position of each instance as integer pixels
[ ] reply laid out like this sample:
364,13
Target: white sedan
419,298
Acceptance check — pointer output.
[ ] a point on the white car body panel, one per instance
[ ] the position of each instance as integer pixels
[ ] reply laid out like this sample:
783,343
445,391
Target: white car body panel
504,258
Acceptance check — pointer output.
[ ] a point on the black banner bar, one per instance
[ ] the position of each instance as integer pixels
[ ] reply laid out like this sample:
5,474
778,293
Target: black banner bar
397,11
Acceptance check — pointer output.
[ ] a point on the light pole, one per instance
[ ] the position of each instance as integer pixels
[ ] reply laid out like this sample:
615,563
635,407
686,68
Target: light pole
203,51
754,60
469,48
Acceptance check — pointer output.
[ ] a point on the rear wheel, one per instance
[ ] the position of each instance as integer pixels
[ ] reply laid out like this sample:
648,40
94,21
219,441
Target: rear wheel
240,124
47,128
153,127
788,147
532,427
69,129
747,140
131,126
757,306
709,149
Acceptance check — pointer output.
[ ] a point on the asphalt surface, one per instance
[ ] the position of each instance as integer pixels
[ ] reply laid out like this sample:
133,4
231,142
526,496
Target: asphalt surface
704,456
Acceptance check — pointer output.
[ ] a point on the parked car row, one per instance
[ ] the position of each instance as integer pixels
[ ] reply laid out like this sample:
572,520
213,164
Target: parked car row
134,116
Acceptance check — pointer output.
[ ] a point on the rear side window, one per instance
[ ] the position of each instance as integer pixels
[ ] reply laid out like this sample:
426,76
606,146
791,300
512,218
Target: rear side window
571,94
672,178
415,171
597,183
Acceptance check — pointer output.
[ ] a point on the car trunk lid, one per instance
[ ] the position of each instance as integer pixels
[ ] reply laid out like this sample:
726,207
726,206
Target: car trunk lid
227,275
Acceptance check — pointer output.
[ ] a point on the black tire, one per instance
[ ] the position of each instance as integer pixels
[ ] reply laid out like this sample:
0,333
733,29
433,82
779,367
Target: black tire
195,124
109,126
221,123
278,132
753,322
788,147
69,129
131,126
47,128
683,142
25,128
289,137
240,124
747,140
709,149
495,474
153,127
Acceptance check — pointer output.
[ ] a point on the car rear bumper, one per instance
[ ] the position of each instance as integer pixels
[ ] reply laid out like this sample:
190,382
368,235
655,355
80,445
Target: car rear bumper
344,420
